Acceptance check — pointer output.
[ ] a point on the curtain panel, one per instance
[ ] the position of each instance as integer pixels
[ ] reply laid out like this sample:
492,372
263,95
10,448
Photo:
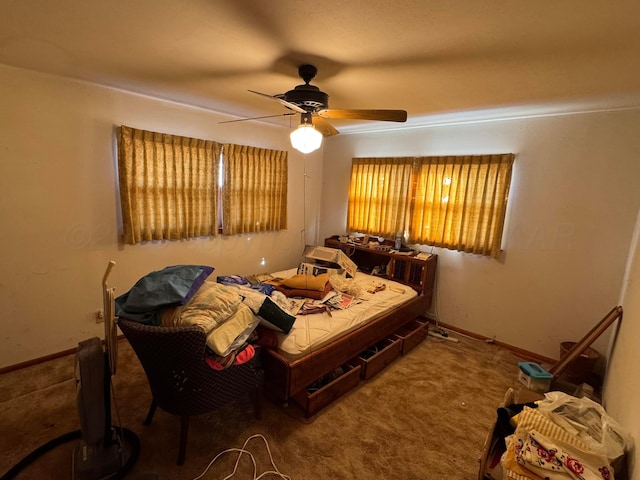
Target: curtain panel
460,202
255,189
378,195
168,185
454,202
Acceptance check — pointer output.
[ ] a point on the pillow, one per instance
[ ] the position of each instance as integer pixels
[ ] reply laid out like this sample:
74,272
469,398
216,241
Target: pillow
212,304
274,317
307,282
173,285
233,332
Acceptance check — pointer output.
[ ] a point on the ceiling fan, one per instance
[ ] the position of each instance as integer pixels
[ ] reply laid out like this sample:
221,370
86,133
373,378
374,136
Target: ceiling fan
313,106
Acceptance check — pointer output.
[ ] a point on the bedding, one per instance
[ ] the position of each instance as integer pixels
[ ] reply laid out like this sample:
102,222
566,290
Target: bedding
313,331
174,285
212,305
231,334
219,311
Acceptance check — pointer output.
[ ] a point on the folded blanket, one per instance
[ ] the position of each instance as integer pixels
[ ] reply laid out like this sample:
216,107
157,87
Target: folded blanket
301,292
211,306
306,282
231,334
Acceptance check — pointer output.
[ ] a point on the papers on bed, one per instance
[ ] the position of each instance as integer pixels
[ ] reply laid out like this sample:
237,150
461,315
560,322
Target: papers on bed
341,301
333,301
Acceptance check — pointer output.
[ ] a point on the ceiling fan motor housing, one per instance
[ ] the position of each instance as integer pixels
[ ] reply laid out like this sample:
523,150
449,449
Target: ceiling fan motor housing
309,97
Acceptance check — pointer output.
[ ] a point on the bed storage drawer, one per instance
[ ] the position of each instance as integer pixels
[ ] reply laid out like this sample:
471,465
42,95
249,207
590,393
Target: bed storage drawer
378,356
411,334
322,392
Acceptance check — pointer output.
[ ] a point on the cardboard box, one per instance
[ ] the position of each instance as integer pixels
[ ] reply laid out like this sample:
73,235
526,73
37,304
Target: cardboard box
331,256
316,269
534,377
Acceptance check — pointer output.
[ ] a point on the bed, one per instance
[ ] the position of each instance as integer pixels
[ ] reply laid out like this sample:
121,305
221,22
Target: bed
288,371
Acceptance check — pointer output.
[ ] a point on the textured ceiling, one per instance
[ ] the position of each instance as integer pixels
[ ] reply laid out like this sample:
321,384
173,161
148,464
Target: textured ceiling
428,57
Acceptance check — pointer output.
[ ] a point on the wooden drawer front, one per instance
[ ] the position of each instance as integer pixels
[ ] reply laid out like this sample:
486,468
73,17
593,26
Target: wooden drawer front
378,356
411,334
313,399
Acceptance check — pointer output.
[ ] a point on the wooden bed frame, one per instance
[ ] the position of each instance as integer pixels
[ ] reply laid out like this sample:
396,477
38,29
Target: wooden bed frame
286,377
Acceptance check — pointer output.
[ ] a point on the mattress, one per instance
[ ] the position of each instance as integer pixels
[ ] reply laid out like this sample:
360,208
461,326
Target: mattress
310,332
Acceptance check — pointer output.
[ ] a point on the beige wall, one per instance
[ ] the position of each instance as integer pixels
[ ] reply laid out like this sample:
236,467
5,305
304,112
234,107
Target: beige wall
622,390
572,208
59,209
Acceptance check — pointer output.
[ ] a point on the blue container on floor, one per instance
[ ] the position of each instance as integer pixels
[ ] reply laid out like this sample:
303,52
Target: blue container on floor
534,377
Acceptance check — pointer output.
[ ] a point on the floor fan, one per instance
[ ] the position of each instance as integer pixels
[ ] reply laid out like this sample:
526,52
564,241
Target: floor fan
105,452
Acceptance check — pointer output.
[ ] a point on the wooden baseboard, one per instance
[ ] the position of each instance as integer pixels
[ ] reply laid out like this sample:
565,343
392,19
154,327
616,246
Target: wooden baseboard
518,351
39,360
525,354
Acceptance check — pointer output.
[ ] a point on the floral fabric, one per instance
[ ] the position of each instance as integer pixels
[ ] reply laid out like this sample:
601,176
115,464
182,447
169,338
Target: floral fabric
554,459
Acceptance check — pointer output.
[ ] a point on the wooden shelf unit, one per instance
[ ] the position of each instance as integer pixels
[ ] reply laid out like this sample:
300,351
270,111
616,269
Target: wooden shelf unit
415,272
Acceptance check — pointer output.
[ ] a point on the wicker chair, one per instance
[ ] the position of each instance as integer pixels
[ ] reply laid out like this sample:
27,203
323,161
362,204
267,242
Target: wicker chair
181,381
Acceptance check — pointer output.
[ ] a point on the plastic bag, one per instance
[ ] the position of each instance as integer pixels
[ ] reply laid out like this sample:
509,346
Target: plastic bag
346,285
589,421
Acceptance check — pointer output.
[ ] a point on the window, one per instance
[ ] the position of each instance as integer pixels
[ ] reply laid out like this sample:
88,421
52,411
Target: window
378,195
254,190
175,187
455,202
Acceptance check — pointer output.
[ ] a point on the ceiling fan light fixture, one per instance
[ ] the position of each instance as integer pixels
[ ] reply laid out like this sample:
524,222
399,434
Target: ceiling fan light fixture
306,138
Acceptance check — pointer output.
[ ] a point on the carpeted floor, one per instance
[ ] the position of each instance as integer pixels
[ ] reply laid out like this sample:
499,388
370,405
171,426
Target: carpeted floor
425,416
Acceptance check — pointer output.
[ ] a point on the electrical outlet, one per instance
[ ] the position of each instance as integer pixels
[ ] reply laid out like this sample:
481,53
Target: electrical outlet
99,316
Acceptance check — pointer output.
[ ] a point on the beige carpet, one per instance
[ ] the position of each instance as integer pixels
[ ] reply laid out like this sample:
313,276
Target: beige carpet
425,416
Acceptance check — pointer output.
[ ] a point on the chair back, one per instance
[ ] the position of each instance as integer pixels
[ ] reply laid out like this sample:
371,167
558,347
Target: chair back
180,379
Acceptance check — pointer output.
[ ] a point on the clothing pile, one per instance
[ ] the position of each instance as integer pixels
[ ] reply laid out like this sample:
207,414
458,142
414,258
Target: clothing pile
561,437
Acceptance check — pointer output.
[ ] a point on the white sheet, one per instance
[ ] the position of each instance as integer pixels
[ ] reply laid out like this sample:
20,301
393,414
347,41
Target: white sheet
313,331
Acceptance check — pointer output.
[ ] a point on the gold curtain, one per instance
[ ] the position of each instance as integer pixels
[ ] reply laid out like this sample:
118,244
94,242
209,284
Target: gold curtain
378,195
168,185
254,196
460,202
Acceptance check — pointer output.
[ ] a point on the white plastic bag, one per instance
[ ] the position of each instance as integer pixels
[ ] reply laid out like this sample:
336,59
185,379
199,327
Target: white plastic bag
589,421
346,285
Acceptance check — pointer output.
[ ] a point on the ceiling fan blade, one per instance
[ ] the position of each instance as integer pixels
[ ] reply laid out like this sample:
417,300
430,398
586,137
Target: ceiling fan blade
290,105
383,115
324,127
258,118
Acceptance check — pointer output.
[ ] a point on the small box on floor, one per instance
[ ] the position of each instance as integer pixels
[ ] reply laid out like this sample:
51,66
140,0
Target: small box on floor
534,377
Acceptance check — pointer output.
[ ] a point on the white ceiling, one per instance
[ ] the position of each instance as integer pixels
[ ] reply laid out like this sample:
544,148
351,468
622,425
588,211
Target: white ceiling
429,57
